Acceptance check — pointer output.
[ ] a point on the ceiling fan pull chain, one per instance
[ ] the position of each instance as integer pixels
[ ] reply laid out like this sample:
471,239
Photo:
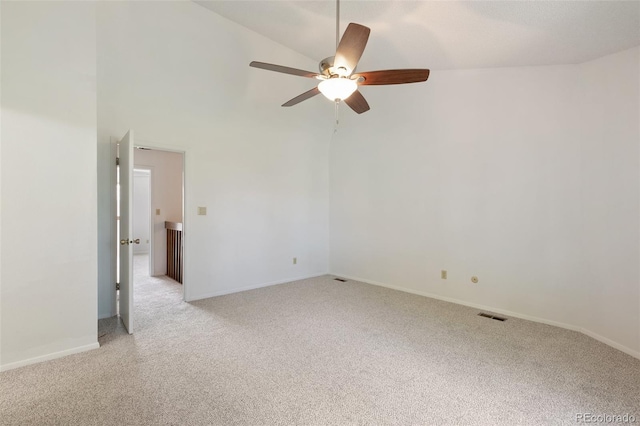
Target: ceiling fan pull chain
335,127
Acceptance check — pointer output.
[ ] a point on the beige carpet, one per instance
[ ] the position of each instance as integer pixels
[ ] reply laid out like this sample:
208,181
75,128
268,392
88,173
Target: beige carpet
322,352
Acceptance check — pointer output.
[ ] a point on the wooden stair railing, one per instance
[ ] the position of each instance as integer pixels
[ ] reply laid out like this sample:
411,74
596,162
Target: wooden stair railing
174,250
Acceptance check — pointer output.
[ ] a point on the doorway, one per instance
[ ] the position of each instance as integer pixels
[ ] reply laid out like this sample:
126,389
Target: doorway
150,204
159,211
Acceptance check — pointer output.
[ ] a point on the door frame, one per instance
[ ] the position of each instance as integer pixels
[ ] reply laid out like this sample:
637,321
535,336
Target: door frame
114,210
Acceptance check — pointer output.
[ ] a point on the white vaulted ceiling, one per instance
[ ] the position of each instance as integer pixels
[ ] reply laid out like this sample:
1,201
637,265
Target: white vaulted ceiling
447,34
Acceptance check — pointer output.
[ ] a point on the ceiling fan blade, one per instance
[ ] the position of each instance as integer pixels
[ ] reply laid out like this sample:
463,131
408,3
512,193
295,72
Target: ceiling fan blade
283,69
392,76
357,102
351,46
303,97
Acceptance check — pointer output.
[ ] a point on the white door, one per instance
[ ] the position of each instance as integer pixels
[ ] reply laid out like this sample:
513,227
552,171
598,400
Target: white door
126,241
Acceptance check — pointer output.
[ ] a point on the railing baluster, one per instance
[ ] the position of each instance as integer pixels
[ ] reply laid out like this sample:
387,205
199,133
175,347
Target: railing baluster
174,250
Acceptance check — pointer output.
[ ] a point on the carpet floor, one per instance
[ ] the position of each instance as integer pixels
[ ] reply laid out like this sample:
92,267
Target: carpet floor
321,352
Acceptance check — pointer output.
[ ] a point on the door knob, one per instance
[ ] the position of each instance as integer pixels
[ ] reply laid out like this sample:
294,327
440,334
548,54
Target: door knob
137,241
124,242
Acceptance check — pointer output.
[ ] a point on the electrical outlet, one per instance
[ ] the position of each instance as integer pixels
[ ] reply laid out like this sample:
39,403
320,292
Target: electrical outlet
474,279
157,212
295,260
443,274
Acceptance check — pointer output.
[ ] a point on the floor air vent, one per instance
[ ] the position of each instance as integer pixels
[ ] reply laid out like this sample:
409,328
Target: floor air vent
342,280
482,314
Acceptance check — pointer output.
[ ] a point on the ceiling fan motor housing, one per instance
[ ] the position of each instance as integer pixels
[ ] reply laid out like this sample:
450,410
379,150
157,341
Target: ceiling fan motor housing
328,69
325,65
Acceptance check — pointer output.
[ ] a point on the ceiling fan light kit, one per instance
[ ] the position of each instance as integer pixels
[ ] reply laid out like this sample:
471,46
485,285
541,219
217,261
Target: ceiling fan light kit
338,88
338,80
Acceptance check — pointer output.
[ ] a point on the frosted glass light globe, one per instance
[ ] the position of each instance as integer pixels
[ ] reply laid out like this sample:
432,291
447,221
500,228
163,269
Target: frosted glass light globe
337,88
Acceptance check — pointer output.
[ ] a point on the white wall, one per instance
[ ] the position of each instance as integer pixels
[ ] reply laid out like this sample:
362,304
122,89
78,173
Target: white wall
141,210
611,196
475,172
179,76
48,138
482,172
166,196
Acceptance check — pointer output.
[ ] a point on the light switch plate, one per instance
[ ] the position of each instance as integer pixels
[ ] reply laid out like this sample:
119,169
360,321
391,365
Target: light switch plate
157,212
202,211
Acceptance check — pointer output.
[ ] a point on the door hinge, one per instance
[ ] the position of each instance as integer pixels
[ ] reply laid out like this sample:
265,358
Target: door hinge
117,286
117,161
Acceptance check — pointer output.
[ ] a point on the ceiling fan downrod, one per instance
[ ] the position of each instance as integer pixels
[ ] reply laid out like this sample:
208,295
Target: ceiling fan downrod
337,23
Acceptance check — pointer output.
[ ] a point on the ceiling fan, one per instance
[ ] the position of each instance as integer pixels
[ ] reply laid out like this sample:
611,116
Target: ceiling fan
339,81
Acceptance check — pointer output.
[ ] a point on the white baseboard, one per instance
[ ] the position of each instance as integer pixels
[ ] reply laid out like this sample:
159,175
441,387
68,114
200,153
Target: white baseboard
611,343
49,357
582,330
252,287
